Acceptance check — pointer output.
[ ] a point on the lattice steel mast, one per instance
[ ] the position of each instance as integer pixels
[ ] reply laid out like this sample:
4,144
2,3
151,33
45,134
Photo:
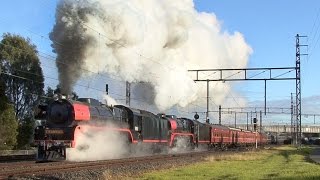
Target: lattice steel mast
298,89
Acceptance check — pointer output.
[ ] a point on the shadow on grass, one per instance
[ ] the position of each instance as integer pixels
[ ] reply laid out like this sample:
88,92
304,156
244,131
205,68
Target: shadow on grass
298,178
306,151
287,153
227,176
303,152
272,175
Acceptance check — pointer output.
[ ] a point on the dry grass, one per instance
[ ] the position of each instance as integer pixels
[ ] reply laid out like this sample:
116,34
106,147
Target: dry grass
248,155
241,156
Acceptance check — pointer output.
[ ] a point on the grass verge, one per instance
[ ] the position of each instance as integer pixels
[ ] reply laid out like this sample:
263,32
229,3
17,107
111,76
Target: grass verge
279,163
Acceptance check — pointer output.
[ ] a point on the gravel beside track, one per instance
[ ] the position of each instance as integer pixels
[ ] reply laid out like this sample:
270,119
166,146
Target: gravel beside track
108,169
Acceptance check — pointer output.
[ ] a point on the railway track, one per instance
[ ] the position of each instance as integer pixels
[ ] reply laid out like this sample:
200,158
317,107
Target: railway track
16,170
30,168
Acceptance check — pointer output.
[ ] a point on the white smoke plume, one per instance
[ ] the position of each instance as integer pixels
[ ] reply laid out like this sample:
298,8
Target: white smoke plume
94,145
151,41
110,101
101,141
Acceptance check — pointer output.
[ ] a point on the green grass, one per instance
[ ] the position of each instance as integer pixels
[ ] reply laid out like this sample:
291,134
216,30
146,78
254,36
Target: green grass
280,163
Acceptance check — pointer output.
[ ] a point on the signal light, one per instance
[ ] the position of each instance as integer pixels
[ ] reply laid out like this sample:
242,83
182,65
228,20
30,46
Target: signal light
255,124
196,116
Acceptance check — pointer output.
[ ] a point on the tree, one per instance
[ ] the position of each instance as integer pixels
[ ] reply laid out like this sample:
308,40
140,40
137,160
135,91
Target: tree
8,123
22,74
25,132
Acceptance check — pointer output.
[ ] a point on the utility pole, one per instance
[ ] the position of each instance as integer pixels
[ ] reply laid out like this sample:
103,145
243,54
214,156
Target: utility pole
255,130
128,94
219,114
292,123
260,125
265,97
235,120
247,121
207,114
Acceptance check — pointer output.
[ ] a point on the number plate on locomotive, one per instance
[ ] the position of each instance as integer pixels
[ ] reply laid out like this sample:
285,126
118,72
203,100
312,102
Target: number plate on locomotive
54,131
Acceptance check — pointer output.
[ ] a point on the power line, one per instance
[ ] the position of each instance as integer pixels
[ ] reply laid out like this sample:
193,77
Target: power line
314,25
118,43
52,58
100,34
229,93
76,84
314,37
83,69
282,74
233,74
49,57
257,74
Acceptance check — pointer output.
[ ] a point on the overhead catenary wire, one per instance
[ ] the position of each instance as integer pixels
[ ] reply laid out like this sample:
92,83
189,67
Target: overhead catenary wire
283,74
315,25
53,58
28,79
50,57
315,35
100,35
48,77
147,57
229,93
257,74
118,43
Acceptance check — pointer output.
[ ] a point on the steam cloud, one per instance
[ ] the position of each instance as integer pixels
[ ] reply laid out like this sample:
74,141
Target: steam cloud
105,143
149,41
98,145
110,101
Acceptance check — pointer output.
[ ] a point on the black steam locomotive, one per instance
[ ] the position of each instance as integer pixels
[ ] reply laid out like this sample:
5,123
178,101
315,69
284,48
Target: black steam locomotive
66,120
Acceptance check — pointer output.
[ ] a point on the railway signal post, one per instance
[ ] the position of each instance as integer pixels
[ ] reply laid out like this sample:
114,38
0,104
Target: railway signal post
255,130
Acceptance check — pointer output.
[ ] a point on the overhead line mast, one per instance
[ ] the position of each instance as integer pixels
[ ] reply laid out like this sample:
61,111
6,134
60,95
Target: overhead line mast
242,75
298,90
